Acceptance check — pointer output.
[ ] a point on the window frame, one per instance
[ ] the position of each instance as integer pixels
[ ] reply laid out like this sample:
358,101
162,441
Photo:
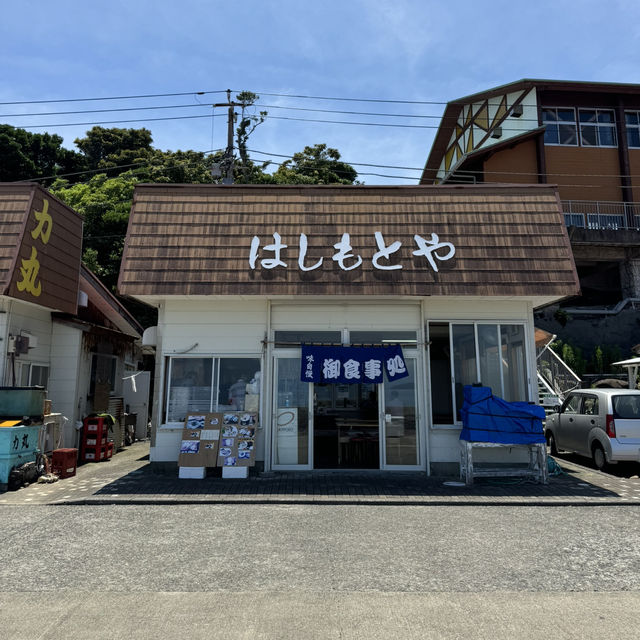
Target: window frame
633,127
215,380
597,125
557,123
497,324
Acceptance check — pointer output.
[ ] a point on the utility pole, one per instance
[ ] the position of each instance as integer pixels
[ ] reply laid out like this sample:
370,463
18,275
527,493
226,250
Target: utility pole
228,154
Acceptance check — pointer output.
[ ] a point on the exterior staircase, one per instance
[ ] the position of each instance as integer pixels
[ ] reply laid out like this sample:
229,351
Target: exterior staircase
555,378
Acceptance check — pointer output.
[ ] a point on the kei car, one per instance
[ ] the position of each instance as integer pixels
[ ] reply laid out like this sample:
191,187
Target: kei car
602,424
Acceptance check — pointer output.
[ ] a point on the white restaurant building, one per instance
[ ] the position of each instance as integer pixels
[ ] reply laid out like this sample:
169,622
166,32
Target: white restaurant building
243,276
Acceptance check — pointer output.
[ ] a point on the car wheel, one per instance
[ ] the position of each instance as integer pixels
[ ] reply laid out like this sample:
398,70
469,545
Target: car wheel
551,441
599,459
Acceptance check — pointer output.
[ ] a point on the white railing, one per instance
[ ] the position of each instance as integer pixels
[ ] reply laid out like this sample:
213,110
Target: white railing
555,373
593,214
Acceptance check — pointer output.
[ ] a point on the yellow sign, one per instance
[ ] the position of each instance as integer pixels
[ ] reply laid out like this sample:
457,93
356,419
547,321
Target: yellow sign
29,271
43,228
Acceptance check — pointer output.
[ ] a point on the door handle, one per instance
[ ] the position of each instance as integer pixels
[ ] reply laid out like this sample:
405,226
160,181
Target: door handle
593,421
570,419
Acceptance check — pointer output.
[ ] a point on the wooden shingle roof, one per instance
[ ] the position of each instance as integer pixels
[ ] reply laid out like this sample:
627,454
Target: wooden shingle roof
510,240
40,247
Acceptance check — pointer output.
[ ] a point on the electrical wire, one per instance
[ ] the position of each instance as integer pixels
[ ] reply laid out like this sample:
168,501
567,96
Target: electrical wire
148,95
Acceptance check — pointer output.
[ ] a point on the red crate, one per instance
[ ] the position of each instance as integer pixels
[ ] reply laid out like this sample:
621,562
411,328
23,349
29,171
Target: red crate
109,450
95,426
64,462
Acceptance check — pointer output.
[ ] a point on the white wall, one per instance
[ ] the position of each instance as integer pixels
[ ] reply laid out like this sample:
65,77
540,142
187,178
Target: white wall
216,327
236,326
35,320
63,377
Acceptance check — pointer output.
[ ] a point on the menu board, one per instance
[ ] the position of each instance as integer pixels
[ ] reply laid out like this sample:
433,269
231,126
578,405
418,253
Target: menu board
237,439
200,440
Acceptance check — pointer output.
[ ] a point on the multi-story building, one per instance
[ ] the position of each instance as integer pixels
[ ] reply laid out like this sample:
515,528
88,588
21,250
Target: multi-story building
584,137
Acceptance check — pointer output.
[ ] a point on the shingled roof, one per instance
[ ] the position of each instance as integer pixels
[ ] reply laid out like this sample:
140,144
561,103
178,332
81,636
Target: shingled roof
510,240
40,247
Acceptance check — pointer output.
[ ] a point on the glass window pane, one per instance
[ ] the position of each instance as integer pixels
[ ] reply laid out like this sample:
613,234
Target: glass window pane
587,115
400,419
567,115
572,404
631,117
379,337
567,134
551,135
189,387
39,375
489,354
607,136
588,134
239,378
464,361
298,337
549,115
605,116
633,137
514,362
291,445
440,373
23,378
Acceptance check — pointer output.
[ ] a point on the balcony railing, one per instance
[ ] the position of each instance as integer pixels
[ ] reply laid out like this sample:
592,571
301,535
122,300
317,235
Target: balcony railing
591,214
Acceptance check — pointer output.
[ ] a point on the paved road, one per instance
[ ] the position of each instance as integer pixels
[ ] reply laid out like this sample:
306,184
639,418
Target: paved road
249,568
319,571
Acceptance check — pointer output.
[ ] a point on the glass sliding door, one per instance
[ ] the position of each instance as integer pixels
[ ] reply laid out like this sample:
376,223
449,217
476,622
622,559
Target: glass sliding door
400,420
291,425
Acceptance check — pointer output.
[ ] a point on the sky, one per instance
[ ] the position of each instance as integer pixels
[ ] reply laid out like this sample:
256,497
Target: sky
398,60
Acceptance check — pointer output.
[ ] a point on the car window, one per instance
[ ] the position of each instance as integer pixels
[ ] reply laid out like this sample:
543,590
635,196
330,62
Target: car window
590,406
572,405
626,407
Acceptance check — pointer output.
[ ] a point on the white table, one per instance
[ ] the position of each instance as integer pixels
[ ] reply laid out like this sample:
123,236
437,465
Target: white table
536,469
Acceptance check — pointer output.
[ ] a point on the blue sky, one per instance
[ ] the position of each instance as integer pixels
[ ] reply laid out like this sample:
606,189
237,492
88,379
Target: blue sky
414,50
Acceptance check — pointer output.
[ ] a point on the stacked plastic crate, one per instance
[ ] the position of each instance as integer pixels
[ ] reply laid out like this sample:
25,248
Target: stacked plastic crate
95,444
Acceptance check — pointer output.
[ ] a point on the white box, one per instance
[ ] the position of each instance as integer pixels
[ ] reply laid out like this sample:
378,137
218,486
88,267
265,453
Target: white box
197,473
235,472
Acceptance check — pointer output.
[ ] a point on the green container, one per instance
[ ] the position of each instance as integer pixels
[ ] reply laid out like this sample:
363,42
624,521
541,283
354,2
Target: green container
17,446
17,402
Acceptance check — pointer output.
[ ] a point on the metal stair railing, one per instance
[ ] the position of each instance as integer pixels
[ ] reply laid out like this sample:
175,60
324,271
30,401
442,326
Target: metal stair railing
555,373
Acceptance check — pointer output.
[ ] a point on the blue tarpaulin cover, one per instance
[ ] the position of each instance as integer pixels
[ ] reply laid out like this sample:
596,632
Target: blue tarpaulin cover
487,418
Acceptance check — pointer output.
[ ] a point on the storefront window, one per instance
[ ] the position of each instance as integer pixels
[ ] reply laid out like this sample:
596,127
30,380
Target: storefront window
493,355
212,385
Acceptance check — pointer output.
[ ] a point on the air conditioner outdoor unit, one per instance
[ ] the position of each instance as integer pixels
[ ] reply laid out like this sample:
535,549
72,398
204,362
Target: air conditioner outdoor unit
516,110
497,132
22,345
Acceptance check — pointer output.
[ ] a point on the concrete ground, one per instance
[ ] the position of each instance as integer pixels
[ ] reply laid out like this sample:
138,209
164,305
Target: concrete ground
122,552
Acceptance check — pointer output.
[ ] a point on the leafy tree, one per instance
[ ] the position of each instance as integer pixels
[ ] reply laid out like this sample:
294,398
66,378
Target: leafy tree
29,156
316,165
105,204
110,148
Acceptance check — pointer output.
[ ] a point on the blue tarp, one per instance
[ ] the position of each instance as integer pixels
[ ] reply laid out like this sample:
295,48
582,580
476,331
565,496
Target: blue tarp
487,418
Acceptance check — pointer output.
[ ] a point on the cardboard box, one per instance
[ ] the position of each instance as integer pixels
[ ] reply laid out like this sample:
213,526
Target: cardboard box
235,472
197,473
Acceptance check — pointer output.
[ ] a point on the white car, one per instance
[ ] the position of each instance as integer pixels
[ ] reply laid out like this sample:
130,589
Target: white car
602,424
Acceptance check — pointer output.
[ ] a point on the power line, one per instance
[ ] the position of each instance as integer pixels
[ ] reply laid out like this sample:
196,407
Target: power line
148,95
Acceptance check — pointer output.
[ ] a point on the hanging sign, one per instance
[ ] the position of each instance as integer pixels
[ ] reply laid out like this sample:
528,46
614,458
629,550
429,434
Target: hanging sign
352,365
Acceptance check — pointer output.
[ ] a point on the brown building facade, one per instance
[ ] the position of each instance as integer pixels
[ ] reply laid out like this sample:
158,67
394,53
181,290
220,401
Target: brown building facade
582,136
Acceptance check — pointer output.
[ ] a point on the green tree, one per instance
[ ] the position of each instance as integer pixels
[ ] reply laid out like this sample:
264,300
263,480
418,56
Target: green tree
318,164
105,204
112,148
30,156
